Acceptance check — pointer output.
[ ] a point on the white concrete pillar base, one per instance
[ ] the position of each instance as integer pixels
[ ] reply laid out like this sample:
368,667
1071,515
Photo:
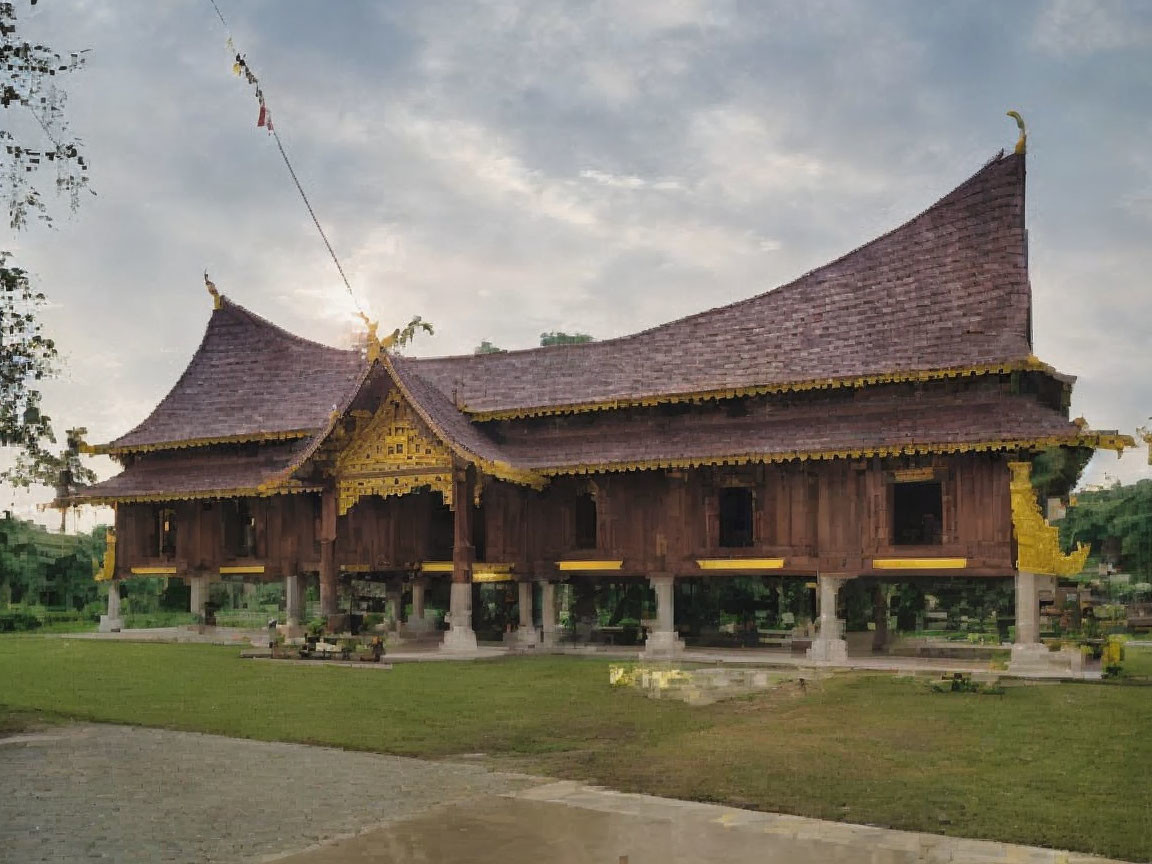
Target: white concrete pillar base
662,644
109,624
419,625
828,651
528,636
459,639
1035,658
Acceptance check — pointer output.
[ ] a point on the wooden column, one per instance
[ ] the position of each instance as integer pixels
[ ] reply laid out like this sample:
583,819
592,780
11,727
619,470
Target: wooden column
328,606
461,636
880,615
463,553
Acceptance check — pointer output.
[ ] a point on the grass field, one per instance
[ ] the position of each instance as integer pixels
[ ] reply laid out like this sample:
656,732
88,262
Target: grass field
1057,765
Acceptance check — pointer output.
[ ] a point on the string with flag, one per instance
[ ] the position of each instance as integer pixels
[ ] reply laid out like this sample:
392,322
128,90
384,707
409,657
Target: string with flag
241,69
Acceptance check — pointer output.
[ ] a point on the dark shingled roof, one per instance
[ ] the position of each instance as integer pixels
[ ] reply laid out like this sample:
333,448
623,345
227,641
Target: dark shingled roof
947,289
891,418
249,378
196,473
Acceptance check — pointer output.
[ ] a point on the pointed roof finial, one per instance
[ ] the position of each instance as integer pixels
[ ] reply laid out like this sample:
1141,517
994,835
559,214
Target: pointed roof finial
211,286
1022,144
374,343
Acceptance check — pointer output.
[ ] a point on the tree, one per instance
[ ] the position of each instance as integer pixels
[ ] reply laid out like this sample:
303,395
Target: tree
30,91
557,337
1119,518
487,347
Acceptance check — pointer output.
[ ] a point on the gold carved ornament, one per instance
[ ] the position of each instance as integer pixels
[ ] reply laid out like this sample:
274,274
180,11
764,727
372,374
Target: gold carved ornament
390,455
107,569
1038,543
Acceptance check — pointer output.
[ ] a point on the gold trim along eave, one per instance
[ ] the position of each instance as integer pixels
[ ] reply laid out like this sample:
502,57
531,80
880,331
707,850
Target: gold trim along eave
919,563
153,571
436,566
256,492
1028,364
247,438
588,566
740,563
1108,441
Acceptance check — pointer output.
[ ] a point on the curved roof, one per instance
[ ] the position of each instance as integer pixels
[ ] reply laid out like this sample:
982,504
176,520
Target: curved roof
249,379
946,291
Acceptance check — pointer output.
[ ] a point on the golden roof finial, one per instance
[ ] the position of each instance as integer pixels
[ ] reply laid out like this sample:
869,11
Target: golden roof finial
375,344
1022,144
211,286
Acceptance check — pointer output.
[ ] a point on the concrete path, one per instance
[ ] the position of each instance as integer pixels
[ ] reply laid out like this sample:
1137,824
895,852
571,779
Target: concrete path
86,793
566,823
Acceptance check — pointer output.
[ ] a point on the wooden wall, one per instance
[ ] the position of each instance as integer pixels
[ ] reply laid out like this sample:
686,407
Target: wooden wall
828,515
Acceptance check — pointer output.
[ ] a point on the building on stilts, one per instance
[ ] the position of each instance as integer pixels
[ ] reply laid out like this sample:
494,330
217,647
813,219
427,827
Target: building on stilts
876,418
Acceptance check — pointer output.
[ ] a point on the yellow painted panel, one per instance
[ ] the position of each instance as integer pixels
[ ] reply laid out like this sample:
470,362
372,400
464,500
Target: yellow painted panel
244,569
356,568
153,571
740,563
436,567
588,565
919,563
492,576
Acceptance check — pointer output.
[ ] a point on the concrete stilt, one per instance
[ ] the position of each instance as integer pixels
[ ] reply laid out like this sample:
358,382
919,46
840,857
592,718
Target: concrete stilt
549,631
527,635
829,645
663,641
417,622
112,622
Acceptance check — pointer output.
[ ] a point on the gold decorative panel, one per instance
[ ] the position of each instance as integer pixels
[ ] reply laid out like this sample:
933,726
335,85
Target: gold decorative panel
389,453
1038,542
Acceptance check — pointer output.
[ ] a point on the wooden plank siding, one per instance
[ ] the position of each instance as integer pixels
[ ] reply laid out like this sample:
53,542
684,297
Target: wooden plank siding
829,515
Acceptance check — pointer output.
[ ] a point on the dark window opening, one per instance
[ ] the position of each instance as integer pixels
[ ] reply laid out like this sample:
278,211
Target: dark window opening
736,517
442,533
479,534
584,522
239,528
917,514
166,531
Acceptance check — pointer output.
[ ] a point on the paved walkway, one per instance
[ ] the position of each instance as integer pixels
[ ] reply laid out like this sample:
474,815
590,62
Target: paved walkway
87,793
424,651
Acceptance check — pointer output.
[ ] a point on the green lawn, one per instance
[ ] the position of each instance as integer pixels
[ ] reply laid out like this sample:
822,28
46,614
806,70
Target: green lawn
1057,765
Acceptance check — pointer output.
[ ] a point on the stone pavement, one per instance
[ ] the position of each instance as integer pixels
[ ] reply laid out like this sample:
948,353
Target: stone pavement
86,793
120,794
566,823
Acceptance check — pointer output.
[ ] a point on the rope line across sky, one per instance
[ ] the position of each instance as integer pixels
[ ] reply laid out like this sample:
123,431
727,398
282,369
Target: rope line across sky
241,69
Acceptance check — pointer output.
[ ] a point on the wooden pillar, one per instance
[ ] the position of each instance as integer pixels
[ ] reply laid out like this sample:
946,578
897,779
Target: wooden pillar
880,615
460,636
328,603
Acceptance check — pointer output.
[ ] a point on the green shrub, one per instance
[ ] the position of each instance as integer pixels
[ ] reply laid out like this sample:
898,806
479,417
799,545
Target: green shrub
18,620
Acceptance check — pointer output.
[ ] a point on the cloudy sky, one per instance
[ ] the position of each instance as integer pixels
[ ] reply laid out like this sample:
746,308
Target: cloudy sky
504,168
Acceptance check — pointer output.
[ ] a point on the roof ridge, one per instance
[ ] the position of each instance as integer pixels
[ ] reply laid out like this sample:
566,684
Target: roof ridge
792,284
229,305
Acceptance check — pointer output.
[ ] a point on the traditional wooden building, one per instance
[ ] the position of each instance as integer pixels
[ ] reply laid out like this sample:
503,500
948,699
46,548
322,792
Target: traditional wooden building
875,417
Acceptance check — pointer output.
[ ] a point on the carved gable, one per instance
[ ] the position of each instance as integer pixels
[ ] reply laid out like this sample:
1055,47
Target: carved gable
390,453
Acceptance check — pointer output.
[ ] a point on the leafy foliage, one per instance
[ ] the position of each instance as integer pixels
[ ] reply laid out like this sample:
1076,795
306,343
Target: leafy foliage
29,76
29,83
487,347
42,569
1057,470
557,337
1119,519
